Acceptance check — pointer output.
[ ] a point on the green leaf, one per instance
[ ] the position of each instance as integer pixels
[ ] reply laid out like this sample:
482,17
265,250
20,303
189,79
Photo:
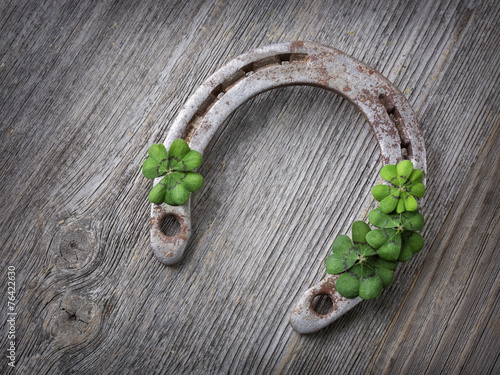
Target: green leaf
388,204
334,265
341,243
401,205
370,285
417,190
380,219
410,203
379,192
176,194
390,250
387,242
363,280
177,163
405,254
365,250
156,165
404,169
412,221
153,169
385,275
192,181
178,149
378,237
190,161
158,152
180,195
416,176
157,193
168,197
390,174
384,263
383,269
359,231
348,284
176,179
343,255
338,264
413,242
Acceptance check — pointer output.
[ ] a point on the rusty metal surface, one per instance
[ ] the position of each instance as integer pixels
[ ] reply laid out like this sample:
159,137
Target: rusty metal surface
296,63
304,319
170,249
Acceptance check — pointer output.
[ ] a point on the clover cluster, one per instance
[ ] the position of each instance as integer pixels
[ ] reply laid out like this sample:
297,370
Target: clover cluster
176,166
366,263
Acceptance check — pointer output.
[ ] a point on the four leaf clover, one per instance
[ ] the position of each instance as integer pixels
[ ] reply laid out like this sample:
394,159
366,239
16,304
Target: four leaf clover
406,185
363,273
396,238
176,165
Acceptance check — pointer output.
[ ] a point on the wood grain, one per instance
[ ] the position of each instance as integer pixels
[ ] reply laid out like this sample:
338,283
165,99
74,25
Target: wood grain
86,87
453,304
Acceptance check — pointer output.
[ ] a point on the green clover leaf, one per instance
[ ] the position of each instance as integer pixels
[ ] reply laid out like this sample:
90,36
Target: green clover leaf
396,238
406,185
156,165
361,280
413,242
176,165
383,269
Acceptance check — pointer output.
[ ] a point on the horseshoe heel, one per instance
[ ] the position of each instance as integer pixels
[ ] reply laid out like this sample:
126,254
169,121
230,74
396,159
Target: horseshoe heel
297,63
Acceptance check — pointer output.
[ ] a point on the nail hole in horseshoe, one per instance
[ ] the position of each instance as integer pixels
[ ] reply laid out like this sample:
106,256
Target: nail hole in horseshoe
322,304
170,226
248,70
396,118
218,92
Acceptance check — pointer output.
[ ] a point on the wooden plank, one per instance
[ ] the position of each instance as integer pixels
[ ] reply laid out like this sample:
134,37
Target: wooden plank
448,322
86,87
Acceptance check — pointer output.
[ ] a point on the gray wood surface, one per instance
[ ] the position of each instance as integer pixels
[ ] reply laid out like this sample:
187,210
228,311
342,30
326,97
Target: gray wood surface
86,87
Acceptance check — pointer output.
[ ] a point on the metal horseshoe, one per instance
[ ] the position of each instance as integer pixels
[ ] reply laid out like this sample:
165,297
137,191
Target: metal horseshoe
296,63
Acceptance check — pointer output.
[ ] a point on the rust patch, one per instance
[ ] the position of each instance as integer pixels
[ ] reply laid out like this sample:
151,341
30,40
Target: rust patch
297,45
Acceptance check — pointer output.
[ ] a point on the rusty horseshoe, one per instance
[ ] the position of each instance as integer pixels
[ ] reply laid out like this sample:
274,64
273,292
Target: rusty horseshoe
296,63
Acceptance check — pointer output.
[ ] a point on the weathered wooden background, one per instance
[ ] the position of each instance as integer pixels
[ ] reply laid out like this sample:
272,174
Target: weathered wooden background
87,86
